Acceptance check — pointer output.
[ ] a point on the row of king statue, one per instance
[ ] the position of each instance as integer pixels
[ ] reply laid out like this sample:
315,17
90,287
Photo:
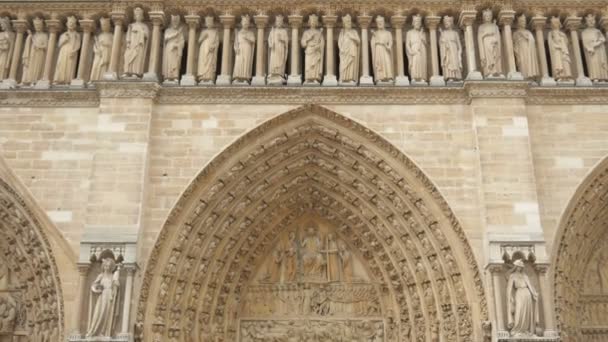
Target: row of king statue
45,59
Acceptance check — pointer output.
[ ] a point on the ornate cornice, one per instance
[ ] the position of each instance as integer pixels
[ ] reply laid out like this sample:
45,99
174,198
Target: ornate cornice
49,98
127,89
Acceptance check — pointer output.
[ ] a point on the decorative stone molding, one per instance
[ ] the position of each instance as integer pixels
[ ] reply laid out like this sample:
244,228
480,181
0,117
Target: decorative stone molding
127,89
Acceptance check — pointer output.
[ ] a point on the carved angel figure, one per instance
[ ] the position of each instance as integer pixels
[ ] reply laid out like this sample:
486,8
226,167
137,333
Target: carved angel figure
488,36
106,287
313,44
278,41
416,49
523,316
450,49
102,49
382,52
559,49
209,41
69,45
349,45
137,45
524,46
34,53
594,44
7,43
174,41
244,45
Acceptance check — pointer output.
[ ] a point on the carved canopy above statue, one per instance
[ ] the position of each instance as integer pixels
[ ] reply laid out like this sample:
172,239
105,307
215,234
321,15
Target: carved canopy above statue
311,222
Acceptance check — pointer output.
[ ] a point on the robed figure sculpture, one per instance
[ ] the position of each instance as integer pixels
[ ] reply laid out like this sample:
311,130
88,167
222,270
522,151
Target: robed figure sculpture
382,52
105,289
523,315
313,44
136,51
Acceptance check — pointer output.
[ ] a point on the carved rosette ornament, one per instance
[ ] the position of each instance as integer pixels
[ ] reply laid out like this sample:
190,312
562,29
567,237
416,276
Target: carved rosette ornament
313,209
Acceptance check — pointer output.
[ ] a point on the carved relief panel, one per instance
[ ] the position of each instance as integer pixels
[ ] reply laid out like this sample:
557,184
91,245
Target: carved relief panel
13,315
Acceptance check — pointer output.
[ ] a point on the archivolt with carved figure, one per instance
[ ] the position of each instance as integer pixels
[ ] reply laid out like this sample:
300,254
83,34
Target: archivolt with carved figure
311,227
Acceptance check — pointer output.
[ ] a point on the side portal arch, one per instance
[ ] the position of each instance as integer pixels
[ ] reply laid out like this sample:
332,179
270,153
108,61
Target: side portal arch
315,184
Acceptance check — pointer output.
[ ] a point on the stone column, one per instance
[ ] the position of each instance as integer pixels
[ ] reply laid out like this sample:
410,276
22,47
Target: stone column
539,22
126,310
119,21
397,21
603,23
261,20
466,20
330,79
295,78
193,21
573,23
158,20
546,295
224,78
506,18
432,22
88,27
365,79
496,272
77,319
20,26
54,26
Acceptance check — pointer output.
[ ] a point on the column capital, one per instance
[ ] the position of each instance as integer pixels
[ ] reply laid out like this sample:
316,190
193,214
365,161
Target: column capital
364,21
130,268
330,20
227,20
53,25
538,22
295,21
88,25
541,268
118,17
192,20
398,21
506,17
432,21
572,23
157,18
467,18
83,269
20,25
495,268
261,20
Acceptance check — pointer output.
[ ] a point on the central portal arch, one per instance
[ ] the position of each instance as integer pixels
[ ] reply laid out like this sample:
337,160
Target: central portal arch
314,212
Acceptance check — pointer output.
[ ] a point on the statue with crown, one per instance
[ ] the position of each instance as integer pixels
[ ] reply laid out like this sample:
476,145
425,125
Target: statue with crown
105,295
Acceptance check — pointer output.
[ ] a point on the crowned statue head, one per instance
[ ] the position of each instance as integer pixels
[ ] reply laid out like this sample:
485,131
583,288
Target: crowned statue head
105,24
5,23
487,15
522,21
590,20
380,24
448,22
347,21
417,21
176,21
72,22
279,21
313,21
138,14
245,21
38,24
108,264
518,265
209,21
556,24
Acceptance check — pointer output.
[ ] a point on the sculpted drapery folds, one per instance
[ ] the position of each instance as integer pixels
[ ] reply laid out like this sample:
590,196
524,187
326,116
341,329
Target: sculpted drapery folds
559,49
278,42
69,45
488,37
173,49
349,45
102,49
136,51
105,311
244,46
594,44
7,43
209,41
313,44
416,49
522,298
524,46
34,53
450,49
382,52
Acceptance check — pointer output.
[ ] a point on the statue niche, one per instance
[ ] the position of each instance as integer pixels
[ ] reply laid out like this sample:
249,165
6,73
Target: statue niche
311,287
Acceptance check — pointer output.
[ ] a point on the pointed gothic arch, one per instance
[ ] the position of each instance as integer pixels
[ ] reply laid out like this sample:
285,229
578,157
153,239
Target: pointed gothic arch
311,161
580,261
32,285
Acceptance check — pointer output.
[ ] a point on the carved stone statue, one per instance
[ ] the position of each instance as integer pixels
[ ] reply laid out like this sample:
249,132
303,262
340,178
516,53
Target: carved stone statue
69,45
594,44
450,49
291,258
346,262
334,269
523,315
136,50
524,46
278,42
105,311
313,262
209,41
244,46
34,53
173,49
7,42
488,37
382,52
349,45
102,49
8,314
559,49
313,44
416,49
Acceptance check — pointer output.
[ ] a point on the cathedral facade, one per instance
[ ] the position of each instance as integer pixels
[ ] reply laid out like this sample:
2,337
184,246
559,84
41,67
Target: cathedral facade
322,170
